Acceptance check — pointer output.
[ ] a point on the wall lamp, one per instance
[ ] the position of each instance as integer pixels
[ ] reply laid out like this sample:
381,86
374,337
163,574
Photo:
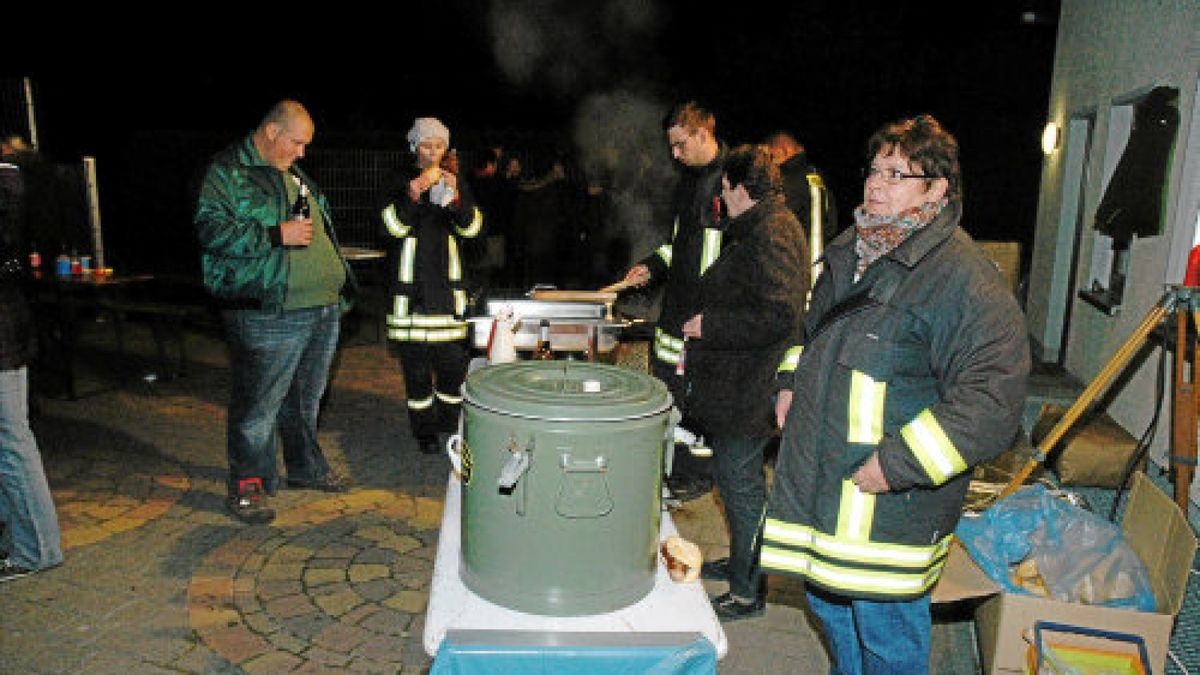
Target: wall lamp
1050,137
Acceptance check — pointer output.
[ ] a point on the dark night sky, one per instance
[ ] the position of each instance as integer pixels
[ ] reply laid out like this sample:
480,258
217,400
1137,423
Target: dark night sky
831,71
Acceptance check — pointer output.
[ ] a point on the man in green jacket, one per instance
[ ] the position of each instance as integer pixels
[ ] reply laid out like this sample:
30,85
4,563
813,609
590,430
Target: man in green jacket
284,283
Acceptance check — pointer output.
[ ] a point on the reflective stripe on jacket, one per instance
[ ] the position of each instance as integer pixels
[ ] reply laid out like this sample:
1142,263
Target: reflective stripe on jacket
680,262
428,284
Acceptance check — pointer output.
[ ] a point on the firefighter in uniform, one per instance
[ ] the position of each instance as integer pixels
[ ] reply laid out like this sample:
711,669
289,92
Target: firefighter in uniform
913,371
427,212
678,264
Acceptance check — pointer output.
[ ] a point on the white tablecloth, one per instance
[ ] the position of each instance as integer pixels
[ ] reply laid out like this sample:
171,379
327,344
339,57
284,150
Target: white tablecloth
668,608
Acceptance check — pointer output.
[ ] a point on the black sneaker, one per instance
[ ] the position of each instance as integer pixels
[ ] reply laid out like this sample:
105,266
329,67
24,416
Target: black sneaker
10,571
330,482
249,505
715,570
429,446
729,608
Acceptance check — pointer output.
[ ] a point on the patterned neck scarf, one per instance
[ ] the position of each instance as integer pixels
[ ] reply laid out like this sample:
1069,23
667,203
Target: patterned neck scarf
878,235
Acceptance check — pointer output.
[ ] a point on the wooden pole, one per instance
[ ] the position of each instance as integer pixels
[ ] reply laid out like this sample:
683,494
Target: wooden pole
1097,386
1183,436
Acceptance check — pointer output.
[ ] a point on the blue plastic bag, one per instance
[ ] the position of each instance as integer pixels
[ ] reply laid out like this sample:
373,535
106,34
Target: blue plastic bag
1081,557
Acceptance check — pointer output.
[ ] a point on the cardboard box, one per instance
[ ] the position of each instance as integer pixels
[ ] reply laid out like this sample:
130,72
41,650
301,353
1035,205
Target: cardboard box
1156,530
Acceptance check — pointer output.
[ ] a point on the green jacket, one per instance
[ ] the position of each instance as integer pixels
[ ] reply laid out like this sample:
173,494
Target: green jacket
241,204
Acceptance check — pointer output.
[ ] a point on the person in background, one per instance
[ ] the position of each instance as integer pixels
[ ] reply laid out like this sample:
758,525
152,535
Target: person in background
55,218
486,185
544,216
752,305
806,191
507,195
30,540
679,262
913,371
284,284
427,213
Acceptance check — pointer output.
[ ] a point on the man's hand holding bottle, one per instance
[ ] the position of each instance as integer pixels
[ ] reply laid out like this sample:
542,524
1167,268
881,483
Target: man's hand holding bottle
296,232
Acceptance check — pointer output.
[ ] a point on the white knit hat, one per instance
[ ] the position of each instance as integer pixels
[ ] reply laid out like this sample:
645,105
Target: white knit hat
426,127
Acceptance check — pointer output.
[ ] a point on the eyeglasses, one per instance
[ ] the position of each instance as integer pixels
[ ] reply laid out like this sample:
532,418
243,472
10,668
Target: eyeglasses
890,176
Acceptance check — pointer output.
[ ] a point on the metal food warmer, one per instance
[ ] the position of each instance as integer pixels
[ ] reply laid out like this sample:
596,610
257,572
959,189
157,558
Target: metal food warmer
574,317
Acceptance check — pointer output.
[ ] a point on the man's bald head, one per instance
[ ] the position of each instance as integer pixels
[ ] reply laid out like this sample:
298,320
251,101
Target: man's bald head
283,134
285,113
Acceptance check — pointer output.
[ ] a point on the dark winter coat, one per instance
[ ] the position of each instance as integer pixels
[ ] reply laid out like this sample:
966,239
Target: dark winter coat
752,301
808,196
17,340
924,361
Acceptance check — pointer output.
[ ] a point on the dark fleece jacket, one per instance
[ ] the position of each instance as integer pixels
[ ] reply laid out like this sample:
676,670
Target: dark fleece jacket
752,299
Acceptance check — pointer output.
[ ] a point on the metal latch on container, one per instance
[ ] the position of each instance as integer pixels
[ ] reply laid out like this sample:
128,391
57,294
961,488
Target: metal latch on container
513,469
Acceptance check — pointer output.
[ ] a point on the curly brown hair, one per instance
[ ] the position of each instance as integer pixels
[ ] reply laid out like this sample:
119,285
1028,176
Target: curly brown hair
927,144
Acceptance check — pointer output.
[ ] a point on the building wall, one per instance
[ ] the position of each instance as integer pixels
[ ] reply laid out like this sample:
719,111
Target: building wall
1109,51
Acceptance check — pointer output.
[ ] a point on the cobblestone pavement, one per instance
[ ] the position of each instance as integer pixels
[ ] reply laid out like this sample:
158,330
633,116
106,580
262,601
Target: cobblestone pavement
159,579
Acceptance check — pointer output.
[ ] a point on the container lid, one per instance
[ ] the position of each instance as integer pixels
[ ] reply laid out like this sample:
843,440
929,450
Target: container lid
566,391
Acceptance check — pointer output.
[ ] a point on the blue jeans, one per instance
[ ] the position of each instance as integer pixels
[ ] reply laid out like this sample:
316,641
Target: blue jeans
739,475
31,536
868,637
279,365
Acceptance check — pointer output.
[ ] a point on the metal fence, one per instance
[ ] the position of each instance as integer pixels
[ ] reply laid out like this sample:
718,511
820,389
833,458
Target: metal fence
352,180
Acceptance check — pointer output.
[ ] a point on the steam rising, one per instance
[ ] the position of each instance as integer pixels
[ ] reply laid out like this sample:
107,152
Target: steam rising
620,138
601,54
572,46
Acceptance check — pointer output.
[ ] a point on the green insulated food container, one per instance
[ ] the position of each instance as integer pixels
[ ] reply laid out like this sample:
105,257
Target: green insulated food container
561,470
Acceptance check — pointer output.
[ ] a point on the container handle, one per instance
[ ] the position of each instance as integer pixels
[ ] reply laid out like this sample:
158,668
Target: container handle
597,464
584,491
454,452
673,419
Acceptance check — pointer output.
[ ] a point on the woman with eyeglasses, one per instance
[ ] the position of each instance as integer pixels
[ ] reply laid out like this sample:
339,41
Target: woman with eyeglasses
912,371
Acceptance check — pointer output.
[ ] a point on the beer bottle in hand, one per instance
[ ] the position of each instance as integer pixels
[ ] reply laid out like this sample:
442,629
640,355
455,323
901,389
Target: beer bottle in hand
300,208
542,351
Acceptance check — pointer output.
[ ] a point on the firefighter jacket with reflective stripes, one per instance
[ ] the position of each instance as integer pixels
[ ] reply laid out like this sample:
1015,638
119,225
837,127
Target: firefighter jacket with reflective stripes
752,301
807,195
924,361
680,261
428,280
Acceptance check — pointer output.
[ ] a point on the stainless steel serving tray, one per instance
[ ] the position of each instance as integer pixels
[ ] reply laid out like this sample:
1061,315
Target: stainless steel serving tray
570,324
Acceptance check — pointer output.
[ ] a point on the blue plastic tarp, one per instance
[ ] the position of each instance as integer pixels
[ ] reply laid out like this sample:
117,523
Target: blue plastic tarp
472,656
